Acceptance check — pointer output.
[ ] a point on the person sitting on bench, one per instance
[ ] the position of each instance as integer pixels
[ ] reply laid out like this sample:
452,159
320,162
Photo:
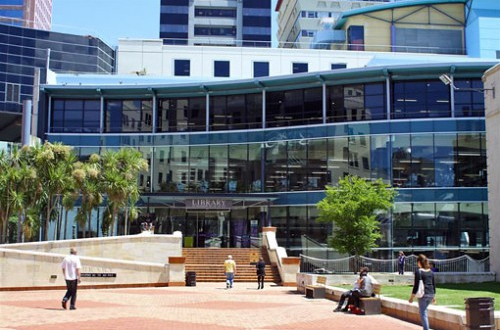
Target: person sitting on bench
363,287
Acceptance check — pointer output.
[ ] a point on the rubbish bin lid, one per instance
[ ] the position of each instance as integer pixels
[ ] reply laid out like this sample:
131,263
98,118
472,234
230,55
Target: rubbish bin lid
479,299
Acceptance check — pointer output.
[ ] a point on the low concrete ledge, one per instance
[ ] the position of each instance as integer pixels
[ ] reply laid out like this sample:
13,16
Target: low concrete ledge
440,317
22,270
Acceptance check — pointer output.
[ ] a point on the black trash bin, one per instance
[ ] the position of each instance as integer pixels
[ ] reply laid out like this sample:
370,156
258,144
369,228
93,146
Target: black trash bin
480,313
190,278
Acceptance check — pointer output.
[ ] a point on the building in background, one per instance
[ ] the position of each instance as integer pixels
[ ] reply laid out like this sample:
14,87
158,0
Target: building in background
36,14
420,26
28,53
300,20
184,63
224,23
263,149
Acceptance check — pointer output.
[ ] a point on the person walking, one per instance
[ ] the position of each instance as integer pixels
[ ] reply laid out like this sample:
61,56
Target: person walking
261,273
425,274
71,266
230,271
401,263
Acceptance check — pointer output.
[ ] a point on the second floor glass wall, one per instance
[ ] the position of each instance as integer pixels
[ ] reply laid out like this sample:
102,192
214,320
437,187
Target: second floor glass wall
408,161
282,108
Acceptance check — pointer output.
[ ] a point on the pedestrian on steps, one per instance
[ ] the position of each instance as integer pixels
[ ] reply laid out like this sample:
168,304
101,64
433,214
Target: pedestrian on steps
261,273
229,271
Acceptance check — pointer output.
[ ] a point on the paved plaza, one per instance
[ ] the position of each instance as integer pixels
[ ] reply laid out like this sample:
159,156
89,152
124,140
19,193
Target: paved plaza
207,306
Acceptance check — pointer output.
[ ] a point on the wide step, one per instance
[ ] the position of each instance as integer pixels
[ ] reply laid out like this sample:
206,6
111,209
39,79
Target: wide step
208,263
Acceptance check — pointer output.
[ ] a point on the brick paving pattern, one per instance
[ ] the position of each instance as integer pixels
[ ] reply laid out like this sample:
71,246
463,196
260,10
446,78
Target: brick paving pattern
208,306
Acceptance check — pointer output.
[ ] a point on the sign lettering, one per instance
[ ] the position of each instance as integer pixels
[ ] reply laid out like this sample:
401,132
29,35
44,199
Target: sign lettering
209,204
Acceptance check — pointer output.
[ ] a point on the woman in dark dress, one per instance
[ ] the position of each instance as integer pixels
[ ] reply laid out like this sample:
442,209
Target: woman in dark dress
261,272
425,274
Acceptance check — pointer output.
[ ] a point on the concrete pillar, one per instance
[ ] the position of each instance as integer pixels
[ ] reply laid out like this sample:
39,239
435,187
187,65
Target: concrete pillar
491,80
177,271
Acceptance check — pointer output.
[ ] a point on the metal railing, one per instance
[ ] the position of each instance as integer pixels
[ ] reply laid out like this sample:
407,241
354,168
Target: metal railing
465,263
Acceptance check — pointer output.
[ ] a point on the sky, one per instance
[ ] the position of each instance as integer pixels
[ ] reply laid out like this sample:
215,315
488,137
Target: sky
112,19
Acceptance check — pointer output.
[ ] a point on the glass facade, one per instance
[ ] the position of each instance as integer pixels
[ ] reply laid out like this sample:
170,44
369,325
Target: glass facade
26,49
279,146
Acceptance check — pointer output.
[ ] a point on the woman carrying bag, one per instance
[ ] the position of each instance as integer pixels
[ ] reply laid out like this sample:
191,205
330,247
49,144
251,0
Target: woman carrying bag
424,274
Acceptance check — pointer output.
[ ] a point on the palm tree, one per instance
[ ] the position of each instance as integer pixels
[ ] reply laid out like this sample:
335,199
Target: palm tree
87,179
119,180
55,163
68,202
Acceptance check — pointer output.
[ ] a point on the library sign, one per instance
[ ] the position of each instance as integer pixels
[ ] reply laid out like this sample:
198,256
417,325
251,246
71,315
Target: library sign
208,204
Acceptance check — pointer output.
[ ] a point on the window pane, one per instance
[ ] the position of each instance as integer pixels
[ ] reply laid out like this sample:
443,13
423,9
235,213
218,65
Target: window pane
260,69
182,68
221,68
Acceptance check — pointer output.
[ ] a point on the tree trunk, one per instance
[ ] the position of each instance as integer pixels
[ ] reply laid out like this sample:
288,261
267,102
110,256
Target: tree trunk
20,221
126,221
65,222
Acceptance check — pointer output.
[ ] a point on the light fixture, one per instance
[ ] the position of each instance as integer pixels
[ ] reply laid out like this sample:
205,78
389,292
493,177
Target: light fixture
448,81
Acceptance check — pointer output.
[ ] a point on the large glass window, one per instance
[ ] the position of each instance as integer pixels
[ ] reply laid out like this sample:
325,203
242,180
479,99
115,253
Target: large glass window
420,99
74,116
128,116
445,160
473,225
235,112
239,173
380,157
471,160
255,167
317,172
293,107
199,180
218,168
356,102
171,169
276,166
181,114
182,68
422,161
297,165
338,159
401,160
469,102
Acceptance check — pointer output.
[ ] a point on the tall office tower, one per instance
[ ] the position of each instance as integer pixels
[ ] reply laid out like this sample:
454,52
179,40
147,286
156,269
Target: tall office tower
223,22
27,51
300,20
35,14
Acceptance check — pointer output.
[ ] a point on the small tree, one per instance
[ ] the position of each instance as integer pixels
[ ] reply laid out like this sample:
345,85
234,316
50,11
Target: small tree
352,207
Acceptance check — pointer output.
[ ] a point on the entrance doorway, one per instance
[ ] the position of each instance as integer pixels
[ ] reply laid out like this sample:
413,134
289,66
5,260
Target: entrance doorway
207,229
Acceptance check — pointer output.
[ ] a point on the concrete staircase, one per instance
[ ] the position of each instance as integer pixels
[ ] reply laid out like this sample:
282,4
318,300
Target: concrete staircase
208,263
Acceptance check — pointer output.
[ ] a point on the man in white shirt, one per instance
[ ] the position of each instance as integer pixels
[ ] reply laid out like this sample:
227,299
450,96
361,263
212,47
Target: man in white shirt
71,266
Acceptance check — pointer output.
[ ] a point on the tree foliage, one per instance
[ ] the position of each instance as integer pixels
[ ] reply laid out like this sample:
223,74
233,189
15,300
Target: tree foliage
352,207
36,182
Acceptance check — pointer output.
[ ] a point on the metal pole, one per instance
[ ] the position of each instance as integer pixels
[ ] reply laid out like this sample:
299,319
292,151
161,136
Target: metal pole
26,129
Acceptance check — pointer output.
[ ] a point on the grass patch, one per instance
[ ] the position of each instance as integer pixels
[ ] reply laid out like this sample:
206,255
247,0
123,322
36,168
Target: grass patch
450,295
